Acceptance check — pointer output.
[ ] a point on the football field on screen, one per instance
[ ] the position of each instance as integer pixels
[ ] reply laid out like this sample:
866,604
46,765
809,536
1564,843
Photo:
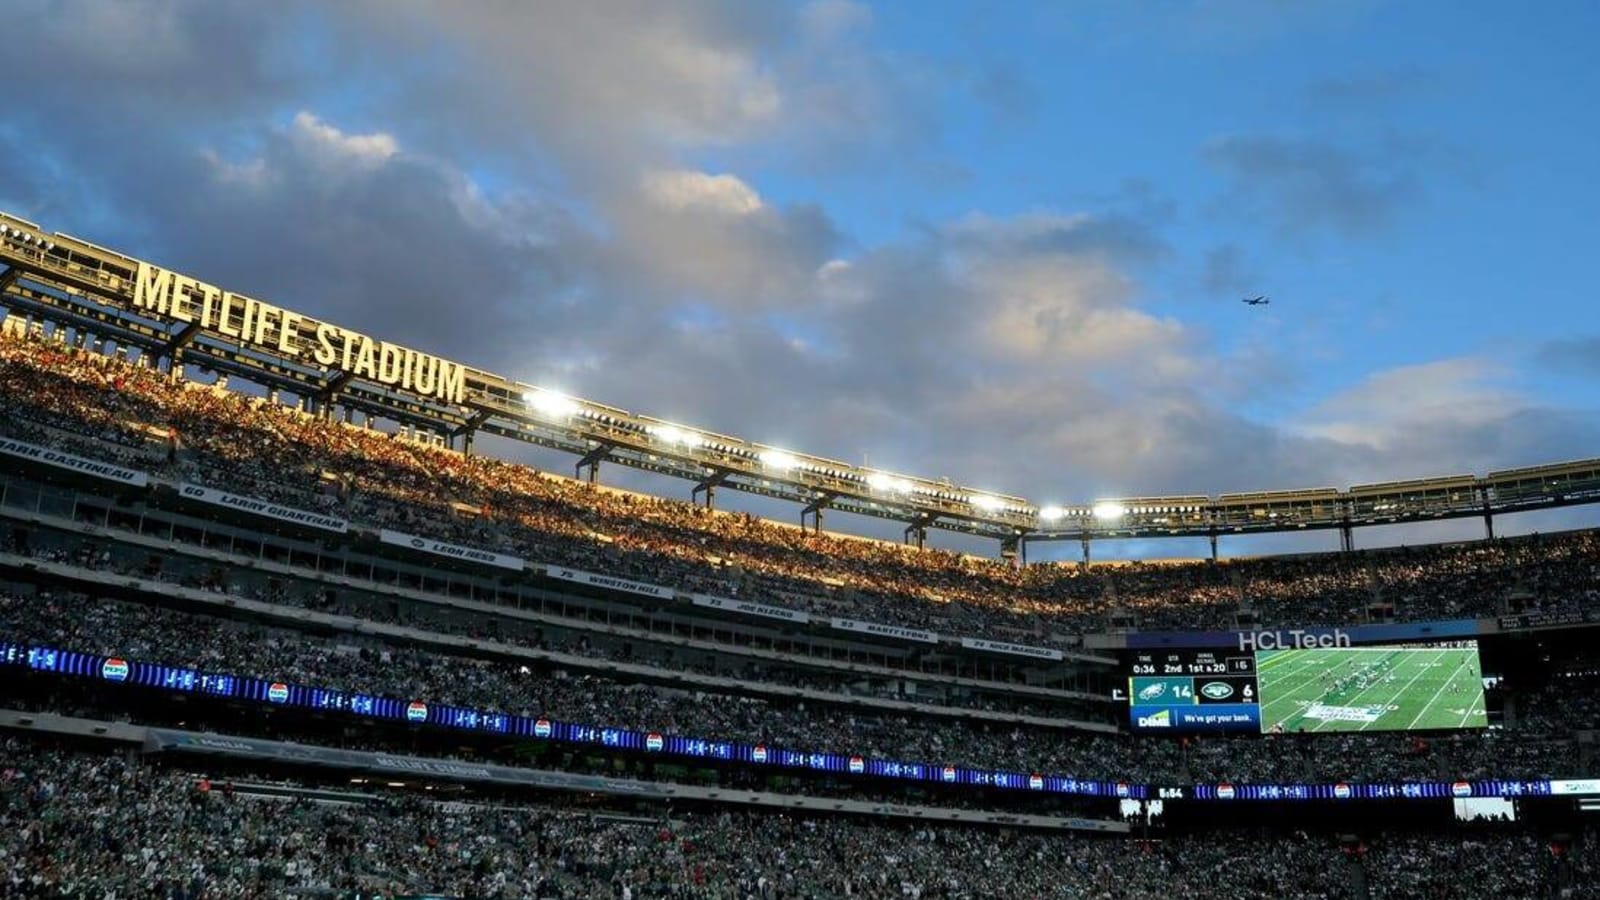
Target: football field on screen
1371,689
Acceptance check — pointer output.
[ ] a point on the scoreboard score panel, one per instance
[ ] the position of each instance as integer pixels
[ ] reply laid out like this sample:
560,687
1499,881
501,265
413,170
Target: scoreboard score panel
1194,689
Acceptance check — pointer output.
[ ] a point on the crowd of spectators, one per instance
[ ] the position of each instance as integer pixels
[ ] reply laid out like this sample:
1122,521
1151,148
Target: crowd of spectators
1539,743
926,688
88,402
85,824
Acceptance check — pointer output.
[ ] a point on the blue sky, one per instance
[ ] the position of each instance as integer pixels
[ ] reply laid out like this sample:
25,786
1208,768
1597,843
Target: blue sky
1000,242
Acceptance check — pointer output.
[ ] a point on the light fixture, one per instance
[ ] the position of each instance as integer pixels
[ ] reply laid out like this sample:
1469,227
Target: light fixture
888,484
551,403
1107,510
986,502
778,459
1051,514
672,434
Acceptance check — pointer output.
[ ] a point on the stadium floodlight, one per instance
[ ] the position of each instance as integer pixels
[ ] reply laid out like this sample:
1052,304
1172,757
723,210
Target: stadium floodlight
1051,514
554,404
672,434
779,460
986,502
1109,510
888,484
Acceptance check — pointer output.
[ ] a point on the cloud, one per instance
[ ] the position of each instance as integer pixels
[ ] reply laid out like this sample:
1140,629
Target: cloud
697,237
1303,185
1572,356
1387,405
1441,417
612,86
1368,89
354,228
724,196
580,75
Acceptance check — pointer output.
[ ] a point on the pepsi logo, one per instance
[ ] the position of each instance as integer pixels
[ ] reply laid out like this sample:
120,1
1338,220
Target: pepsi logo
1122,789
278,692
1036,782
1224,792
857,765
653,742
949,773
758,754
541,728
417,711
1460,789
1341,791
114,669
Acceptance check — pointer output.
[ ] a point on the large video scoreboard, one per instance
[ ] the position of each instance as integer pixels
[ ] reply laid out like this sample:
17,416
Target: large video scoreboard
1194,690
1386,687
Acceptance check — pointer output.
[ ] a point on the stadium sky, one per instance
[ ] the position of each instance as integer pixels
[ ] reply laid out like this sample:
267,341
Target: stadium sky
999,242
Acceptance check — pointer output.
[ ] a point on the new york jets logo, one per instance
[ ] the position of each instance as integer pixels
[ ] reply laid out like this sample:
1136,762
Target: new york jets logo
1217,690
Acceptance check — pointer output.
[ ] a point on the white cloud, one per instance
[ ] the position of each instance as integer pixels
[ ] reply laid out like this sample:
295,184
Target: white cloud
316,138
682,190
606,85
1388,409
698,237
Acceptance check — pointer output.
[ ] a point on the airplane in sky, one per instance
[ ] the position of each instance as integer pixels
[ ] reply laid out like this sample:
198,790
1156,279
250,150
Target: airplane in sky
1256,301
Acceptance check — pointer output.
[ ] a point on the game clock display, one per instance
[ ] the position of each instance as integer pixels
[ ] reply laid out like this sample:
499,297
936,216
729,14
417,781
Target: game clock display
1379,688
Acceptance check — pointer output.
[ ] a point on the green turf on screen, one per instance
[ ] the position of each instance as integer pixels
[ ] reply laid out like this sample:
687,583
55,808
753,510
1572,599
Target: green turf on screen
1371,689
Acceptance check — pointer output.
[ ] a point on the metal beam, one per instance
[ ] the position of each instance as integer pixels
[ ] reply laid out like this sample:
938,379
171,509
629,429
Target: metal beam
179,341
917,531
592,461
332,384
472,424
709,487
814,510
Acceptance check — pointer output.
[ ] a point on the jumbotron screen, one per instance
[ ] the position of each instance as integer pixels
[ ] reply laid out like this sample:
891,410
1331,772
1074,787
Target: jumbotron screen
1382,688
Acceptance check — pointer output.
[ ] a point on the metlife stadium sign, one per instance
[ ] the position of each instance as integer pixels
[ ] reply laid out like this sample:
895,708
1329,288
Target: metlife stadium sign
173,297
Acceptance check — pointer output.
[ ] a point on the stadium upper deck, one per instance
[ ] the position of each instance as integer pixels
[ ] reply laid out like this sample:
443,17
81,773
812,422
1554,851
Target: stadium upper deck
177,319
270,451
